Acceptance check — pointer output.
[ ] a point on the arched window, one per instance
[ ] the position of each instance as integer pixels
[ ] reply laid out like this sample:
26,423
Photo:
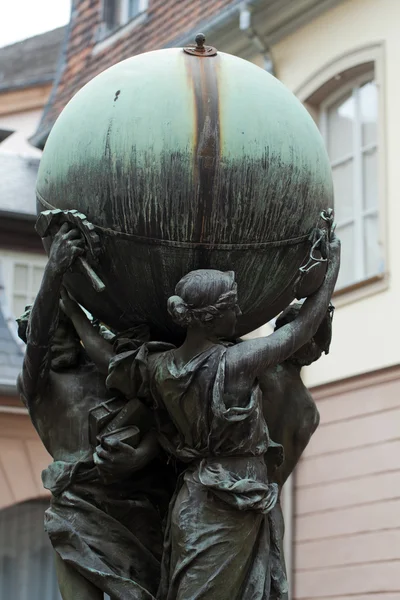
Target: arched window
345,100
27,569
348,121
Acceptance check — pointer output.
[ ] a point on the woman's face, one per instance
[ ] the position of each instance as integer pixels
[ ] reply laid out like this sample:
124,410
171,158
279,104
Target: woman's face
225,326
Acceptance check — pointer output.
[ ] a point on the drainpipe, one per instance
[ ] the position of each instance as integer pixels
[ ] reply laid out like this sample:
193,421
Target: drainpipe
260,44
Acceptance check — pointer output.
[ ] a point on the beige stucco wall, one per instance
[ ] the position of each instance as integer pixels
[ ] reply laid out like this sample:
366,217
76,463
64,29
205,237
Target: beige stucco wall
22,458
365,332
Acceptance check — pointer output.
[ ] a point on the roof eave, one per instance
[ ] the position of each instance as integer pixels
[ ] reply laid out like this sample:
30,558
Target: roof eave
8,214
8,388
29,83
216,22
39,138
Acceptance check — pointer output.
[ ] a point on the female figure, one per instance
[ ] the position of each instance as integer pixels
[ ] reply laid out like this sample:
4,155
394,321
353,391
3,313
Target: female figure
104,517
288,406
220,543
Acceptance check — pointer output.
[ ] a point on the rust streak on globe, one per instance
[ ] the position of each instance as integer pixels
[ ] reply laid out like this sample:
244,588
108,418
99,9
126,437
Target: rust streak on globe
183,162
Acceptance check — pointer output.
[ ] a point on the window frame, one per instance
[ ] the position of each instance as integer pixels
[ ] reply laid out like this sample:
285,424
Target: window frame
9,260
358,151
374,56
125,6
107,36
125,9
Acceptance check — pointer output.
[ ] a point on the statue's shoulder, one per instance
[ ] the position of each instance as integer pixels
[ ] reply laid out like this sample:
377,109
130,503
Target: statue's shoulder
157,353
279,375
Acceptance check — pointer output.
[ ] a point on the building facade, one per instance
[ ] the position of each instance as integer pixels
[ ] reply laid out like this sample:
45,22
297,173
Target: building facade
347,512
340,58
27,71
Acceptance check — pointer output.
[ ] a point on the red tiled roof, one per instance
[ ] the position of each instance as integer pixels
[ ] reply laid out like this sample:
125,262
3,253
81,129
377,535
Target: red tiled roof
166,21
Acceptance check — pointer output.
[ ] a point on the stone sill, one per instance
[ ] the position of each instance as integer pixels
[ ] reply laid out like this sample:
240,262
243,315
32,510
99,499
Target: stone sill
361,289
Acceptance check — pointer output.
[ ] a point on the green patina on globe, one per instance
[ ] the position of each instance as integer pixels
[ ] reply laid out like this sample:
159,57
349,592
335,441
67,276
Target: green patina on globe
184,162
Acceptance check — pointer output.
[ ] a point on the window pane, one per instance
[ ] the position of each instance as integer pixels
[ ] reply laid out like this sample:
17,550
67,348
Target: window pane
19,303
111,10
343,188
27,570
118,12
347,263
134,6
340,127
373,255
370,179
37,279
368,112
20,278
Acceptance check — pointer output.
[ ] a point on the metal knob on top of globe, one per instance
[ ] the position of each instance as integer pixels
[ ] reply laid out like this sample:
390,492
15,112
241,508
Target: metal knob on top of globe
185,159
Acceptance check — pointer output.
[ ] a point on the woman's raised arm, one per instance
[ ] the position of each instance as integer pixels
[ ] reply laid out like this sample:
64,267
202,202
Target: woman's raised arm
99,350
252,357
66,247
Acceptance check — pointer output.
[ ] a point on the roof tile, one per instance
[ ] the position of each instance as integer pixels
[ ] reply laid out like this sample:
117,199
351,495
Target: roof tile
31,61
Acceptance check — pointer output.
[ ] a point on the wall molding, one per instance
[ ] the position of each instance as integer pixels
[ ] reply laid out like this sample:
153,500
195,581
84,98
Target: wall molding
356,382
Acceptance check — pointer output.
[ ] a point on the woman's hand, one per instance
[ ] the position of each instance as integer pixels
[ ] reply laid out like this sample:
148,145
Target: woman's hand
67,245
116,460
334,255
334,245
67,304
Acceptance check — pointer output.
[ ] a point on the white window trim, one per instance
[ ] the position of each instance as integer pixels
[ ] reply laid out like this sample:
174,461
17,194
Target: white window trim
8,260
359,213
373,53
125,18
108,38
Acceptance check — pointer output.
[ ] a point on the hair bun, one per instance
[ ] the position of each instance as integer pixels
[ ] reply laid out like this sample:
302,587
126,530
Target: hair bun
178,310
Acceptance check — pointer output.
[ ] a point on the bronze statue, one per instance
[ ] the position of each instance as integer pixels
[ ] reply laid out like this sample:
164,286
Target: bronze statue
234,419
204,193
104,519
289,408
220,542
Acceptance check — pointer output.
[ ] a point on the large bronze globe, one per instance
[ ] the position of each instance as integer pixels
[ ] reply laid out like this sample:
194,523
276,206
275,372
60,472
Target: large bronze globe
184,162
